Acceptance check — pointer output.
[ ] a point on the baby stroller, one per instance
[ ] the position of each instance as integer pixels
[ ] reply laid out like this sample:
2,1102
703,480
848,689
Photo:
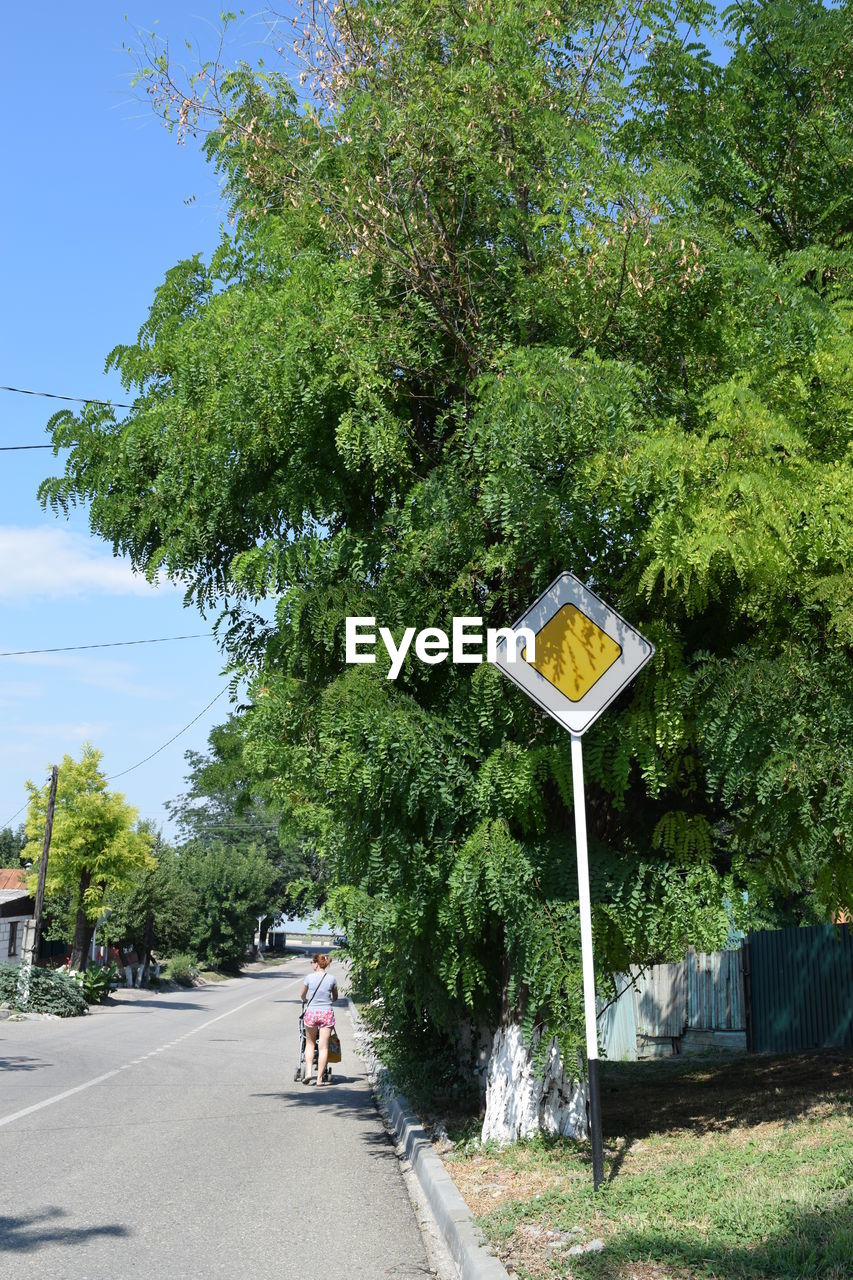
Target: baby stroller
297,1075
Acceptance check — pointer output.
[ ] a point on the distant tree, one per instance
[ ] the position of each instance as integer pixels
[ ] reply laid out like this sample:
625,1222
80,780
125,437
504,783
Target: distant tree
95,847
227,804
231,888
157,910
11,846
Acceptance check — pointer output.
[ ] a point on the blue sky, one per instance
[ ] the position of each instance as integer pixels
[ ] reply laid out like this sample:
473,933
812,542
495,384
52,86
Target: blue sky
99,203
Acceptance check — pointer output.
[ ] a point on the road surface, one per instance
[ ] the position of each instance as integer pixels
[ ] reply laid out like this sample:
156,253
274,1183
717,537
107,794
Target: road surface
165,1137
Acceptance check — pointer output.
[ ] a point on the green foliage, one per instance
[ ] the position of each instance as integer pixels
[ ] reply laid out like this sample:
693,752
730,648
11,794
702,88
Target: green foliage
94,847
97,983
226,803
9,984
11,846
231,889
50,991
158,891
518,287
183,969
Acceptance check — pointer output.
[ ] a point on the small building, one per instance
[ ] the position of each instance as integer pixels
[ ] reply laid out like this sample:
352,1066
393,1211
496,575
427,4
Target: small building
17,910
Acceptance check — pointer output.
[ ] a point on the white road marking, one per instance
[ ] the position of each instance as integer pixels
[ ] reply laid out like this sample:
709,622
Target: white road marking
108,1075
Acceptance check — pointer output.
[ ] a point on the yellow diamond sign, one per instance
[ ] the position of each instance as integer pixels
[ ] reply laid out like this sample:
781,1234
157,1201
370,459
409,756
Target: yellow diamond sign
585,653
572,652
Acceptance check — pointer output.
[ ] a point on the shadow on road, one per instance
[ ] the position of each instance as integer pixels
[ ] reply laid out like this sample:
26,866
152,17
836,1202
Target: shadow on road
23,1064
21,1234
153,1004
346,1095
280,971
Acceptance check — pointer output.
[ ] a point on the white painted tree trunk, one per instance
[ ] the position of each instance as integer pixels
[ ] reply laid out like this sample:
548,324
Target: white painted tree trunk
520,1103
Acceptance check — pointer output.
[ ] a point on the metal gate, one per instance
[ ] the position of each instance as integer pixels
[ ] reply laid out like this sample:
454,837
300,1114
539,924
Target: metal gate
799,989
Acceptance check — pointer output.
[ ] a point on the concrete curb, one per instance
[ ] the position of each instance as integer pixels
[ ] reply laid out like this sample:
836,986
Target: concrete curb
463,1239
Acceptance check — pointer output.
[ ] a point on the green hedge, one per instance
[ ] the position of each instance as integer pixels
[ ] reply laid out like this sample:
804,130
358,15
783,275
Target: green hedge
51,991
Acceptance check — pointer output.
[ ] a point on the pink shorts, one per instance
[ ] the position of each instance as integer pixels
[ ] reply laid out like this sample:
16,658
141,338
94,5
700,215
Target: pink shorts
316,1018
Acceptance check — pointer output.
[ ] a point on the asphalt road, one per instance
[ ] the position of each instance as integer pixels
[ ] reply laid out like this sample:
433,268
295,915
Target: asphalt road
165,1137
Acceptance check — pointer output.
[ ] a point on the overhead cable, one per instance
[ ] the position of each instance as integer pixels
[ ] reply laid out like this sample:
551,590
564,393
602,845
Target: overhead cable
113,644
113,776
52,395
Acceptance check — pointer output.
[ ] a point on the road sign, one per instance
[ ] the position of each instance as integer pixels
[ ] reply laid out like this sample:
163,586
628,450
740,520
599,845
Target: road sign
585,653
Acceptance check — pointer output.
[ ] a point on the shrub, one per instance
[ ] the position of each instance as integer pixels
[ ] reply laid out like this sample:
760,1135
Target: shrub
51,991
8,985
183,969
97,983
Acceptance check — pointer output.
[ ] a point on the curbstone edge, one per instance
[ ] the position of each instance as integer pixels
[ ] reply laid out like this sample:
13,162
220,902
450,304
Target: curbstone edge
463,1239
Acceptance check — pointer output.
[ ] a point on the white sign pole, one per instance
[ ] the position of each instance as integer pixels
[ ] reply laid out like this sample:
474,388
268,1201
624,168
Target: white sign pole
588,964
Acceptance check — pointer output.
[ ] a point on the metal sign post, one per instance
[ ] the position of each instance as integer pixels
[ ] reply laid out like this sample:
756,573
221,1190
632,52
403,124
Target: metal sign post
589,1011
585,654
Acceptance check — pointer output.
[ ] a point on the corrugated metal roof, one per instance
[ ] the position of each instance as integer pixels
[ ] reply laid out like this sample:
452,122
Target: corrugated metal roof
12,878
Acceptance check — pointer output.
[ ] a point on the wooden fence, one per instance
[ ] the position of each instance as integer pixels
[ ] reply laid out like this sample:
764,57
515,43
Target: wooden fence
671,1008
785,991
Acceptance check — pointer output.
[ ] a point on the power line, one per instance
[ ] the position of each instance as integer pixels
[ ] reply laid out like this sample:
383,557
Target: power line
175,736
14,815
139,763
52,395
11,448
114,644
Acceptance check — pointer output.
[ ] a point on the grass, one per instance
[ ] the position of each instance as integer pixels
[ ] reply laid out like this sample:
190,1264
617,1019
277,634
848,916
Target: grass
714,1170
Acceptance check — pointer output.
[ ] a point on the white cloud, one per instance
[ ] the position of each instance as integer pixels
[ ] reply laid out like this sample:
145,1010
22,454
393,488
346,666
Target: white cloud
100,672
46,561
78,731
14,691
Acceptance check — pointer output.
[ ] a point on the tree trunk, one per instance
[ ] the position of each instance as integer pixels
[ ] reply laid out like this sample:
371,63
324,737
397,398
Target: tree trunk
82,929
520,1102
473,1048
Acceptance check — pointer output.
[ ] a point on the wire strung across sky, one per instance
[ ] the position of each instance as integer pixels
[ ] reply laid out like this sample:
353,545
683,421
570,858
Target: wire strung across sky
113,644
52,395
139,763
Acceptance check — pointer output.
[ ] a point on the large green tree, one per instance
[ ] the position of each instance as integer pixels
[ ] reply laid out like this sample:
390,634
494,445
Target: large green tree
95,849
232,887
227,803
156,908
514,290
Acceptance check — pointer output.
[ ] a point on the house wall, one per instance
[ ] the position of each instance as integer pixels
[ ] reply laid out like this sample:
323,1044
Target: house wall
24,941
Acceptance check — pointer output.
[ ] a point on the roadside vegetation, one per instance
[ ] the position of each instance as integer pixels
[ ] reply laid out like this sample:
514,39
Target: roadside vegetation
509,287
739,1169
42,991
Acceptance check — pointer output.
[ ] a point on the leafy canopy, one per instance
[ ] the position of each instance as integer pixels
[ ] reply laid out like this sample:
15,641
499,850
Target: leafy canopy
518,287
95,846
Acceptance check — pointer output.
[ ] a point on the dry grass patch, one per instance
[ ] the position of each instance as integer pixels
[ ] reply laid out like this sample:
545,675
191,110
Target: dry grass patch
723,1170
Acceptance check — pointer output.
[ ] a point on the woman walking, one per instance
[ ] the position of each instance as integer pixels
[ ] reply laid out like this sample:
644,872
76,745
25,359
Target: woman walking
319,993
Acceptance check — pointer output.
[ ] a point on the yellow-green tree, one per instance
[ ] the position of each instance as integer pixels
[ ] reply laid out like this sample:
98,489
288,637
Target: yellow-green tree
95,847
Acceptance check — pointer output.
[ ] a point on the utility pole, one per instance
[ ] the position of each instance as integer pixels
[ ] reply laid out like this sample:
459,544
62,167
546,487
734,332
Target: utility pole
48,828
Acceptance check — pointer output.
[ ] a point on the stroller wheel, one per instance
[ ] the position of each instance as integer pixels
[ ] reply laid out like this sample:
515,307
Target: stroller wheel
297,1075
